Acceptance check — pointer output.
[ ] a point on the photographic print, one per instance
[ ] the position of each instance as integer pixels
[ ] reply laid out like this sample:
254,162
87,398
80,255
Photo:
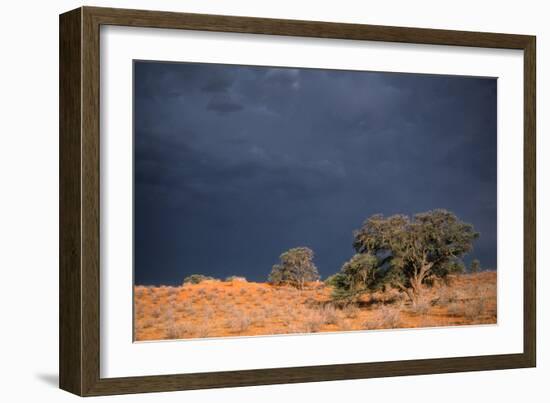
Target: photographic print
279,200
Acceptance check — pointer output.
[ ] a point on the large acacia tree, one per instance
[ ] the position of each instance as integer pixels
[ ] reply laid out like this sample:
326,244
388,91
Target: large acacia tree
296,268
411,252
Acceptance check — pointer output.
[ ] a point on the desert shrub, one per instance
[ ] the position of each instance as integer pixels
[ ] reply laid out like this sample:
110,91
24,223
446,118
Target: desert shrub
239,321
287,315
388,295
140,292
155,298
446,296
259,318
203,329
312,322
228,308
351,311
167,291
296,267
269,311
155,313
168,315
369,324
172,332
345,325
171,293
207,313
329,315
421,307
455,309
244,323
310,302
474,309
185,307
483,291
294,328
388,318
196,279
139,311
147,323
187,329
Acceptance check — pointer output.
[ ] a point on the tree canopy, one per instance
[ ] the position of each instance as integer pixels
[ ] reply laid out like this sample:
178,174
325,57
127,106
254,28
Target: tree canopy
296,267
356,276
409,252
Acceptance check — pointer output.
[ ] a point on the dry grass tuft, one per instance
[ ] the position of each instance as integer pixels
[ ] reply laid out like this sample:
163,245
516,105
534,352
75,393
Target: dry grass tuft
329,315
238,322
445,296
474,309
421,307
388,318
312,322
351,311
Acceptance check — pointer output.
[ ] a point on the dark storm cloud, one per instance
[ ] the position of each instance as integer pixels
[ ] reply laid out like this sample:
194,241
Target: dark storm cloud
235,164
217,84
223,105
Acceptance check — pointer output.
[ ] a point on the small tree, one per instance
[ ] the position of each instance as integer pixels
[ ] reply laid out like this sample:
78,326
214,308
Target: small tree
475,266
414,251
357,275
296,268
196,279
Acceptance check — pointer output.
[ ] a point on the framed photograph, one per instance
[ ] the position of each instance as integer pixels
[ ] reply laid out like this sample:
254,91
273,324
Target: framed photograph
248,201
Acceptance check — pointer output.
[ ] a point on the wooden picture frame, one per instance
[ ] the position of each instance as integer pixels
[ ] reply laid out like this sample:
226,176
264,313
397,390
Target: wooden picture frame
79,280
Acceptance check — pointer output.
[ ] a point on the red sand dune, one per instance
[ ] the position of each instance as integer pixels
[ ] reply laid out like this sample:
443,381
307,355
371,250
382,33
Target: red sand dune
239,308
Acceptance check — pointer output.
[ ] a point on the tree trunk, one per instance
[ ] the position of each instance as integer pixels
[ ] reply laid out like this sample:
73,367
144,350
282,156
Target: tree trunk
411,296
416,282
416,286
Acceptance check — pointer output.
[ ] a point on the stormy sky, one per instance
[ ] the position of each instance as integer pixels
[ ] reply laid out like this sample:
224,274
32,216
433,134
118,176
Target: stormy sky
235,164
